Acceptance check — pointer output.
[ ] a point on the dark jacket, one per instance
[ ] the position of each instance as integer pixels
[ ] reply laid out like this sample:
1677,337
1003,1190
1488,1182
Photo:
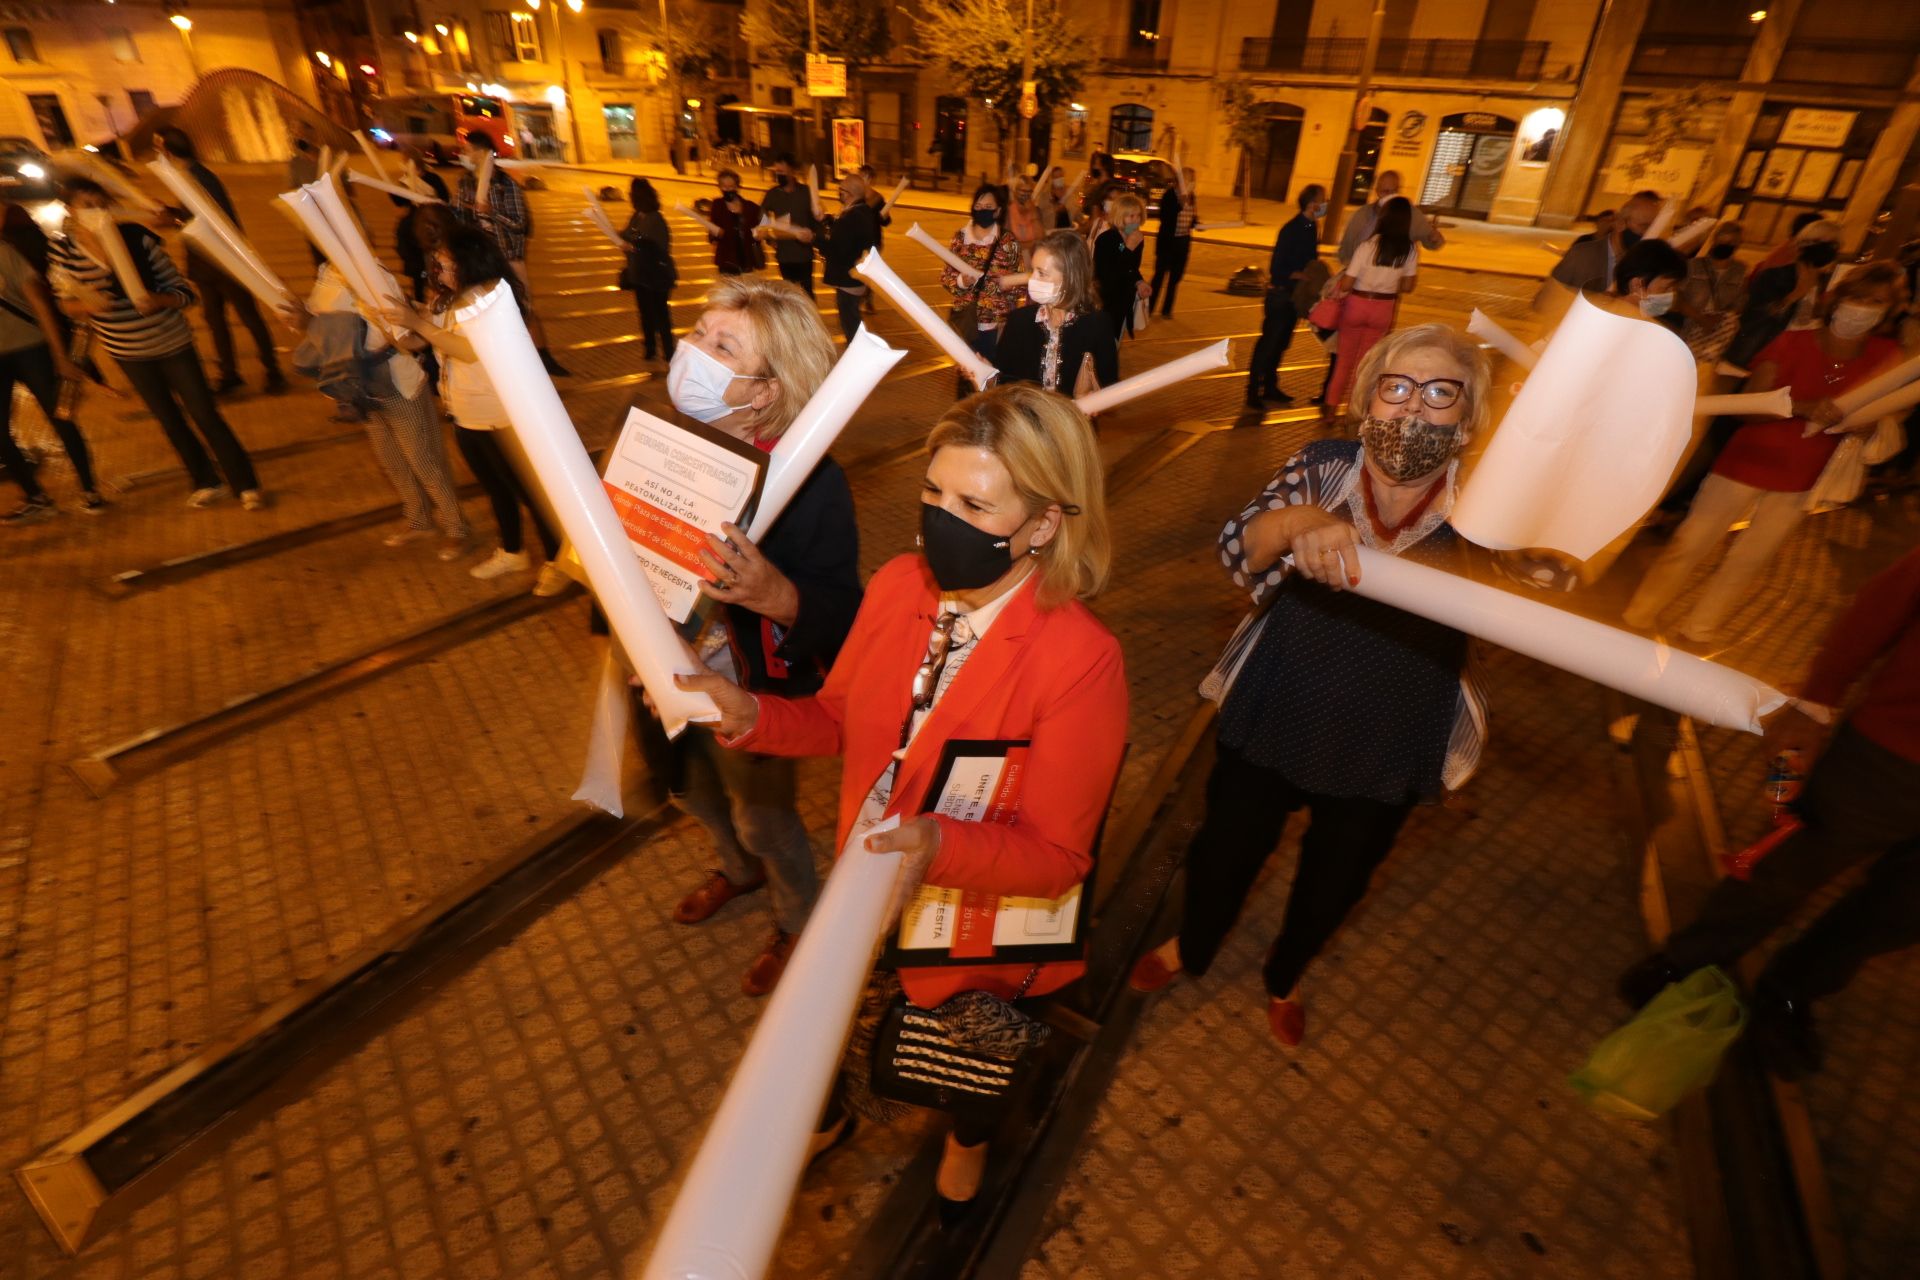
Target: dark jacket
1294,250
1023,343
1766,314
1169,213
735,249
816,543
854,231
650,267
1116,269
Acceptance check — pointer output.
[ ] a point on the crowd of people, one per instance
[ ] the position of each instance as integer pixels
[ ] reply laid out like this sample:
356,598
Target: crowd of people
983,634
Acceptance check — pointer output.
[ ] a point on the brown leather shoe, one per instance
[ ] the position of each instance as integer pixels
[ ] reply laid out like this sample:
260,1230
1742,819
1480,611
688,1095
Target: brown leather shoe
772,963
716,893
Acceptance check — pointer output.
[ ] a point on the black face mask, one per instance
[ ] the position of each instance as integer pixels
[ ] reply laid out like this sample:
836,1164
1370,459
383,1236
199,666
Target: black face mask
786,179
962,557
1721,252
1628,239
1820,254
985,217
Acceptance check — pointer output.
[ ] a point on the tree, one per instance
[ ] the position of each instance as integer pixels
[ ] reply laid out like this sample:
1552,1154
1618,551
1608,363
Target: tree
982,43
1246,120
855,30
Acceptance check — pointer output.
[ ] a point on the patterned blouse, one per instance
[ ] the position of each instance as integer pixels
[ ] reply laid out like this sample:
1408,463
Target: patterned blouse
995,303
1343,695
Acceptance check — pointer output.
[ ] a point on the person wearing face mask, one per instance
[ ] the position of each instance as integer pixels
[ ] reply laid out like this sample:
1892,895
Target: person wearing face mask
1179,210
1366,219
1588,266
1369,288
1117,253
1346,707
981,636
991,287
791,201
1023,219
735,234
1064,342
1712,298
1295,249
1646,283
501,212
854,231
1787,296
1055,212
1784,253
466,265
1769,464
757,354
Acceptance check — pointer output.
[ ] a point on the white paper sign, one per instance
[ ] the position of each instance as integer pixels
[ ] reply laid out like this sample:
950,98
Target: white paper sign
1590,442
671,487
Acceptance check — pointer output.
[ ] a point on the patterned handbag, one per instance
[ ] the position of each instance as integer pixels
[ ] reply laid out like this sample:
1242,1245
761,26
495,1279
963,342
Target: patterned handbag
965,1057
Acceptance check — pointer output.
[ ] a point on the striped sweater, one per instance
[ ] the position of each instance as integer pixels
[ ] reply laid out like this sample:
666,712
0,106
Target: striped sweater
126,333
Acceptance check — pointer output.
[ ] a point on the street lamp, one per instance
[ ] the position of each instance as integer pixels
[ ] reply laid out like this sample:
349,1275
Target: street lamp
566,74
1350,152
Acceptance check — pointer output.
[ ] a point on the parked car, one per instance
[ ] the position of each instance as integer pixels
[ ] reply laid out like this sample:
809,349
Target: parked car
1145,174
25,170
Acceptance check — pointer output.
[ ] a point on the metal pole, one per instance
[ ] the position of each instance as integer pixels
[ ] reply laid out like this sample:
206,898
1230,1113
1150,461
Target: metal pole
819,108
676,145
1350,152
1023,144
566,85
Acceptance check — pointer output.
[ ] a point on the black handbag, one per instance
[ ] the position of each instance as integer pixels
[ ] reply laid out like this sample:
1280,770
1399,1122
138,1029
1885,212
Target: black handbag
968,1057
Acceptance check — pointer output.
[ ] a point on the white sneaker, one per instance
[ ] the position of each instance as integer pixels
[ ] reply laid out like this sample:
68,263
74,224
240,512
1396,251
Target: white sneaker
402,537
453,549
202,497
501,562
552,580
253,500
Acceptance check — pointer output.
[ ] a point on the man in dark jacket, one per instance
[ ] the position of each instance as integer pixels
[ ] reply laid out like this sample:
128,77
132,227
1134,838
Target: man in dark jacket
217,290
855,229
1294,250
791,200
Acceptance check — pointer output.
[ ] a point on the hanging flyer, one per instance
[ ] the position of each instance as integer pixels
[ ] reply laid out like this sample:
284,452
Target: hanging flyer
671,486
980,781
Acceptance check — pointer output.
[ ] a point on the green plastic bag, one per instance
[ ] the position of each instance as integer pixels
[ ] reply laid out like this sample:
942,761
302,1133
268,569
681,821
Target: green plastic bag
1672,1047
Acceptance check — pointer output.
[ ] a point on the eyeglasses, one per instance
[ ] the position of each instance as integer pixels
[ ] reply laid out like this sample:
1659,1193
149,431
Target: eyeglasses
1435,393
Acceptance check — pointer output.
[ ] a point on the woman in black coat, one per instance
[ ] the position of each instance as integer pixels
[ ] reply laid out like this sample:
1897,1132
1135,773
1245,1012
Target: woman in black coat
1116,262
1065,342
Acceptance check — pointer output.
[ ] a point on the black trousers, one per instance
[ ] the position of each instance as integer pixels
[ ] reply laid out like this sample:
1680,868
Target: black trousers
851,306
1861,801
801,273
1277,323
175,388
488,462
217,293
34,368
656,321
1169,264
1247,808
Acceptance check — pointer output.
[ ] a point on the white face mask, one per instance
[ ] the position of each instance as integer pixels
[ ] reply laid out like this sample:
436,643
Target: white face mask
697,384
1044,292
1655,305
1855,319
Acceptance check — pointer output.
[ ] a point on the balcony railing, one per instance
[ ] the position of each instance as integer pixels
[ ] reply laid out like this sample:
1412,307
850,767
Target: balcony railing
1870,64
1153,58
1448,59
1690,57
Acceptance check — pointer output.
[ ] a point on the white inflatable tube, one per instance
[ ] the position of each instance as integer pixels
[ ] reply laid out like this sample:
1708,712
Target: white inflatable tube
874,270
492,324
405,193
1483,327
819,423
598,217
1777,403
694,214
373,156
900,189
1190,365
1694,231
813,193
1663,221
376,286
726,1219
214,235
271,293
114,245
1894,402
325,163
1641,668
116,183
1872,389
968,272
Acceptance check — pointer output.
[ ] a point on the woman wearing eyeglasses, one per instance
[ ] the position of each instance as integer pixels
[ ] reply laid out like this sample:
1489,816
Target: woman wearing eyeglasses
1345,707
982,636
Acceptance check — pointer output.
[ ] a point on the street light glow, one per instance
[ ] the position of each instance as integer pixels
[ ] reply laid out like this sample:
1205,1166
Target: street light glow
1758,15
367,69
181,21
324,58
441,27
412,37
576,5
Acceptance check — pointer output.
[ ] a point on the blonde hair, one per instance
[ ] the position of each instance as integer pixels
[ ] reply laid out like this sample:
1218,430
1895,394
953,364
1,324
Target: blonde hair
792,338
1074,261
1047,447
1428,337
1127,202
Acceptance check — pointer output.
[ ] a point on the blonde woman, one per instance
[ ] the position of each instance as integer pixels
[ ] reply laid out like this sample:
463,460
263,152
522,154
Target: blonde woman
1348,708
1116,261
753,358
982,635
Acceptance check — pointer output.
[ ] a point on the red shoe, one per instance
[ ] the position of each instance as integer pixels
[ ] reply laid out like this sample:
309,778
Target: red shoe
716,893
1150,973
772,963
1287,1020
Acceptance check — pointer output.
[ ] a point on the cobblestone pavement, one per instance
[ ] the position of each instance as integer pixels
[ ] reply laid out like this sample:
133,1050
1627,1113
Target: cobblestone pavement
527,1116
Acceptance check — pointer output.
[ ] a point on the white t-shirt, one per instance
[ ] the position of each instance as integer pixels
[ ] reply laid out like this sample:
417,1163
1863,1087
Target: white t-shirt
465,389
1371,279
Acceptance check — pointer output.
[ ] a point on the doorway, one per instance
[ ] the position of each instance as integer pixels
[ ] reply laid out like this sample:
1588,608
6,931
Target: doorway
1469,162
950,134
623,133
52,119
1269,170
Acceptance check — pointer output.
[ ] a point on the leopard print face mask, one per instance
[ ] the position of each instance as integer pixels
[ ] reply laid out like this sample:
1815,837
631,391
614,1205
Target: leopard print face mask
1406,448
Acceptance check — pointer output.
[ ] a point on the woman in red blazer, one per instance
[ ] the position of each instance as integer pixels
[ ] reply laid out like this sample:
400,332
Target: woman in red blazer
982,636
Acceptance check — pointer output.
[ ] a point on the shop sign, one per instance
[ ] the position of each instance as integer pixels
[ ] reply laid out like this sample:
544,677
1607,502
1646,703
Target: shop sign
1409,135
1809,127
1672,174
826,77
